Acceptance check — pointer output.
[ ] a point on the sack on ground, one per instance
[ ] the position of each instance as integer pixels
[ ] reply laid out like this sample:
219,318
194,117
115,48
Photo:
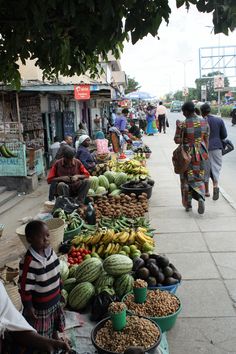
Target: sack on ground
181,159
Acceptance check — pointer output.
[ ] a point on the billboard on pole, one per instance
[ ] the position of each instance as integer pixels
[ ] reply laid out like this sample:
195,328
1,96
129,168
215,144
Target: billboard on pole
219,82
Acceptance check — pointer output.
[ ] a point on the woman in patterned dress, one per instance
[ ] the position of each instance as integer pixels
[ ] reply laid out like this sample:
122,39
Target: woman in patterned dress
193,132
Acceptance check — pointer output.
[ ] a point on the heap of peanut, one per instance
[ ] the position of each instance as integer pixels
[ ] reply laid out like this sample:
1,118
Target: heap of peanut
116,307
158,304
139,283
139,332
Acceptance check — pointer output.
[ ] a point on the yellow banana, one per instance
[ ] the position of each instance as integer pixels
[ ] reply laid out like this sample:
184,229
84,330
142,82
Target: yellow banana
132,237
100,250
142,229
117,248
124,237
109,247
95,238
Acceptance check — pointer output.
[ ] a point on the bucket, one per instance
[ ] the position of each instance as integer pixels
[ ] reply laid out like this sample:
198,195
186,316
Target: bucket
56,231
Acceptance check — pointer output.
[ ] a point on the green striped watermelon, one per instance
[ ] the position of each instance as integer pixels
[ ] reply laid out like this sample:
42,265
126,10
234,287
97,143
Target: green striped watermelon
94,182
69,284
103,182
88,270
80,296
120,178
110,176
104,280
117,264
123,285
64,270
72,271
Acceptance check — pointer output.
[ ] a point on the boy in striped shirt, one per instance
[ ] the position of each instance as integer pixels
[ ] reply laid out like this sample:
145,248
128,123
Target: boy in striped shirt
39,282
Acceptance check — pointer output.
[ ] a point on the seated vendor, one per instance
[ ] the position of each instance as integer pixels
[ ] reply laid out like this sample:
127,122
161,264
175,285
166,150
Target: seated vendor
134,130
68,177
17,336
101,143
84,155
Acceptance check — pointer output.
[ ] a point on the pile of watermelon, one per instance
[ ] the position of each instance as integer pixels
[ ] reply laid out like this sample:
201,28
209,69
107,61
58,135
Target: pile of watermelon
109,182
92,276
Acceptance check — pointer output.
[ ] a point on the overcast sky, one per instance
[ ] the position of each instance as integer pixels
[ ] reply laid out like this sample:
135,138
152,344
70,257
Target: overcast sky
158,64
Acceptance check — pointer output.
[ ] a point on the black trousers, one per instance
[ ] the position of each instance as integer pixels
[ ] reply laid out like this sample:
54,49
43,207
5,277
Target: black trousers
162,122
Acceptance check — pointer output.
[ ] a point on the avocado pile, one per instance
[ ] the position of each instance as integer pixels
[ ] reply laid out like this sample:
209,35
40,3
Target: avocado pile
141,184
156,270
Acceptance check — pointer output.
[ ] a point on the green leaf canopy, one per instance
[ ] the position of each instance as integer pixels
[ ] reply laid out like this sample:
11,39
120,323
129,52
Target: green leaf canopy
69,36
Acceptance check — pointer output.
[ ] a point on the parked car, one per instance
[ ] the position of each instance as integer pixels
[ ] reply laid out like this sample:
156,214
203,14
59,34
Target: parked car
175,106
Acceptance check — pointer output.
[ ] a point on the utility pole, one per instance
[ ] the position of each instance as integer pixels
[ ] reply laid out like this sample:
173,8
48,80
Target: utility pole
184,62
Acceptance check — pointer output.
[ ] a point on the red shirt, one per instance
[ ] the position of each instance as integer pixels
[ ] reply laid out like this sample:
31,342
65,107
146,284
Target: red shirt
60,169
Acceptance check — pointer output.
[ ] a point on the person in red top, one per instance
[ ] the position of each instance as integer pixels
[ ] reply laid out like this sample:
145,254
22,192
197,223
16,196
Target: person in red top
68,177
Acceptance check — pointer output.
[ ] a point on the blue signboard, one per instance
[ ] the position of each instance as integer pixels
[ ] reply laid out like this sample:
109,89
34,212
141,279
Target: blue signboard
13,166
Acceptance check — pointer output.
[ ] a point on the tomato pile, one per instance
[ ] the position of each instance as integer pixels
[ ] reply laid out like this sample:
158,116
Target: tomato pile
77,255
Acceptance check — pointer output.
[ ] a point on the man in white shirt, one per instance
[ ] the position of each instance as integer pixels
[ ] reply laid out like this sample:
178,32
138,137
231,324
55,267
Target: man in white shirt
22,333
54,147
161,116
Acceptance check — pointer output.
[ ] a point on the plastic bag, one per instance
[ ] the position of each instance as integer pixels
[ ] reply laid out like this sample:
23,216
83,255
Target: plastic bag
68,204
100,304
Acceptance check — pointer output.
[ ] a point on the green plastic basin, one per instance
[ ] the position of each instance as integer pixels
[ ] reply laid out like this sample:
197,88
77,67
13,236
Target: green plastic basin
68,235
166,322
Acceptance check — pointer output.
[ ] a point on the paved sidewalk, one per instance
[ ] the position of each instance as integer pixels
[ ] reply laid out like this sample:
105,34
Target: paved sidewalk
10,245
203,248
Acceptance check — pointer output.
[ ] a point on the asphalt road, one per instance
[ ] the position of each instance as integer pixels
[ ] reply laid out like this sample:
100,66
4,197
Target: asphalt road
228,173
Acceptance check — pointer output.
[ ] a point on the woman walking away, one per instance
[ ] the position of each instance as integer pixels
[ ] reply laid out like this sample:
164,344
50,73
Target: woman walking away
193,133
151,123
39,282
218,133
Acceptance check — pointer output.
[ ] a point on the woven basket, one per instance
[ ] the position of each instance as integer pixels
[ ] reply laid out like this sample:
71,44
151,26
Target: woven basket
56,231
20,231
13,293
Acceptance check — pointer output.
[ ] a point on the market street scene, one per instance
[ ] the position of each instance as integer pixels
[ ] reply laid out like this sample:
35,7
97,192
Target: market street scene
117,177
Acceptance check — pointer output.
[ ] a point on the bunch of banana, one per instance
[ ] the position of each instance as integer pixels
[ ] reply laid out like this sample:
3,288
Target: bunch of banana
5,152
101,240
141,238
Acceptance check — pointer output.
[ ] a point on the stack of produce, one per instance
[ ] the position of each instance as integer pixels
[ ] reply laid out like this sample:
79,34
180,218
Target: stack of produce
78,255
100,169
72,221
119,224
107,183
133,168
121,205
142,150
156,270
104,242
93,276
140,184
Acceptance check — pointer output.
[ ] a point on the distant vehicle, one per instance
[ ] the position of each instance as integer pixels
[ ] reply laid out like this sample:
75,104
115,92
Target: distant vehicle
176,106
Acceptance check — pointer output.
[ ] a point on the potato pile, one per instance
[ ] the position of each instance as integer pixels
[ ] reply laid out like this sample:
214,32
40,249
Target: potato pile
121,205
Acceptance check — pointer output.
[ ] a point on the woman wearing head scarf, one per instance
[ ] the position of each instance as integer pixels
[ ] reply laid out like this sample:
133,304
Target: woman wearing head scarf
84,155
193,134
102,147
151,122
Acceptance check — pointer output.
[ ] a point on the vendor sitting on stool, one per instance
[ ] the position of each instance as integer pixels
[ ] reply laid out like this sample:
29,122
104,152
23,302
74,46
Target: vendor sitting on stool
84,155
134,130
102,147
68,177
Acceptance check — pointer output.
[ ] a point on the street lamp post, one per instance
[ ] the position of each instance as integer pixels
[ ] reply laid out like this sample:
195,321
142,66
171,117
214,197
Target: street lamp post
184,62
